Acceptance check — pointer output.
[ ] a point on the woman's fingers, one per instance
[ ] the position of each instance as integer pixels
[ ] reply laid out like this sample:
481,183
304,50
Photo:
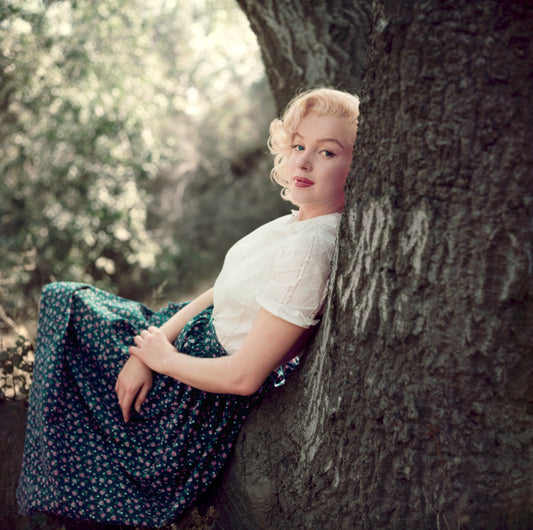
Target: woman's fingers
145,333
125,401
141,397
125,394
133,384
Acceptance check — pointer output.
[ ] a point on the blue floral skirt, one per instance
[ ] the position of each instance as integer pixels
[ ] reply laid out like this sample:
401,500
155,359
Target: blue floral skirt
80,459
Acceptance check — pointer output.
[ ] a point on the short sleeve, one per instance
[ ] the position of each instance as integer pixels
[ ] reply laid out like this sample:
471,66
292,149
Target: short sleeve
297,287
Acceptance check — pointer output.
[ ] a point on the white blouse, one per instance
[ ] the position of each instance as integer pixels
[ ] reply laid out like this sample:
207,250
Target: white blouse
282,266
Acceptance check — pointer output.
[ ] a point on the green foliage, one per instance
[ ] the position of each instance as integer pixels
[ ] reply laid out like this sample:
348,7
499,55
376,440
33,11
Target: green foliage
16,367
108,110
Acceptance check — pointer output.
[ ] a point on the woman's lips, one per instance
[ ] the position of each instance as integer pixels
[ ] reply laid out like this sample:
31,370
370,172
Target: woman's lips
301,182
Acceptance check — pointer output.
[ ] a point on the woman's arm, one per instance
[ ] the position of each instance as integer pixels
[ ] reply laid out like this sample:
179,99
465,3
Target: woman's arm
135,379
264,349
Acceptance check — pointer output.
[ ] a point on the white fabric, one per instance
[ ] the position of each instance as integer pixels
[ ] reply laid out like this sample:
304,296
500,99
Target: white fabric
283,266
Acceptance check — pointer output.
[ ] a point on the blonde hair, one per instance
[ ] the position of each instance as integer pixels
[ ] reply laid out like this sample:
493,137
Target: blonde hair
322,101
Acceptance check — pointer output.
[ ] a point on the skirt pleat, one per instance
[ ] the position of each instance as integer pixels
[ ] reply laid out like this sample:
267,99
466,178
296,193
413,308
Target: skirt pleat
80,459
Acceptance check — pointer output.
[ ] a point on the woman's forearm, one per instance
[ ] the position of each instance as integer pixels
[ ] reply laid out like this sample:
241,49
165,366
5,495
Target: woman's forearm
172,327
220,375
264,348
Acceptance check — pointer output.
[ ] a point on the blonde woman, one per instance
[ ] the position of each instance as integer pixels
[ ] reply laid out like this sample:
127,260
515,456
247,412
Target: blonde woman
134,412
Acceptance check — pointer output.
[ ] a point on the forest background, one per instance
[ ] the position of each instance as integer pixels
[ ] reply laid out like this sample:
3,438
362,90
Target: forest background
413,405
132,147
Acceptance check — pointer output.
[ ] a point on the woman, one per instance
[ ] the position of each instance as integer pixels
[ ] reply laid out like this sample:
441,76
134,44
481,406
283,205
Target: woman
186,376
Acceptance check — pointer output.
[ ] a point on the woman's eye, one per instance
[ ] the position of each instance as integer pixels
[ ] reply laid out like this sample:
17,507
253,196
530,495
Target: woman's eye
327,153
298,147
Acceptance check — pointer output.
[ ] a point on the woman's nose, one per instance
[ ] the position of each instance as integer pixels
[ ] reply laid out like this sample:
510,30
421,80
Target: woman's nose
304,162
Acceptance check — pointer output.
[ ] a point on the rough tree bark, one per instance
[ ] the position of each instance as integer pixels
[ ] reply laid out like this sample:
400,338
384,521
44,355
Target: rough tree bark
414,406
305,44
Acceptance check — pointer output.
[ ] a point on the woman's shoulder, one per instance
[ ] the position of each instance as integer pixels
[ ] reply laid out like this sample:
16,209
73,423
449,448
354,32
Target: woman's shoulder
276,225
287,233
323,224
312,239
323,228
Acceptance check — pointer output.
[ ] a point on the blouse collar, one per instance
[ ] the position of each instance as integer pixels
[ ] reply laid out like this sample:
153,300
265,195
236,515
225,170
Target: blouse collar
329,217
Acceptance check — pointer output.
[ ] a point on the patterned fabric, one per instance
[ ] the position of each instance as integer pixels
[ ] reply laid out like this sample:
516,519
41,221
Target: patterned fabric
80,459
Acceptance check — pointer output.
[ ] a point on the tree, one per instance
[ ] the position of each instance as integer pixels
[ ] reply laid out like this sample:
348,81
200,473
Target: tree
306,44
414,405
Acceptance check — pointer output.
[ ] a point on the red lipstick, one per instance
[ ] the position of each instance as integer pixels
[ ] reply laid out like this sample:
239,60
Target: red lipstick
302,182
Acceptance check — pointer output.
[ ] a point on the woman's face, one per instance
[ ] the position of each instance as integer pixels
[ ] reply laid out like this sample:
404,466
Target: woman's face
319,164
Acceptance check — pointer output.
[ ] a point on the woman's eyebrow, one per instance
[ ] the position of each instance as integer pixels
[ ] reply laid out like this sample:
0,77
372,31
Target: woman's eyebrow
323,140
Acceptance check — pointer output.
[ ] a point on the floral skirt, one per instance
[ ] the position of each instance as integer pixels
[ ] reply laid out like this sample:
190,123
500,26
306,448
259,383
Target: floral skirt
80,459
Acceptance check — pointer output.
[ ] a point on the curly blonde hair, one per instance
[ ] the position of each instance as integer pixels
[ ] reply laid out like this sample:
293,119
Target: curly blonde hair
322,101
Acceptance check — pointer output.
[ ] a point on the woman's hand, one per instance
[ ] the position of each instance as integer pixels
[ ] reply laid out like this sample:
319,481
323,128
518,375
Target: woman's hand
264,348
153,349
133,383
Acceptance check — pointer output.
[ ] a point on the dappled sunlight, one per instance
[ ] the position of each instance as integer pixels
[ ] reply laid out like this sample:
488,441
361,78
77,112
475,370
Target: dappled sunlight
112,110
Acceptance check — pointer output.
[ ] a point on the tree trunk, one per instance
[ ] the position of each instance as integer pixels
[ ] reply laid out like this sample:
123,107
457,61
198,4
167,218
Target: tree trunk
310,43
414,406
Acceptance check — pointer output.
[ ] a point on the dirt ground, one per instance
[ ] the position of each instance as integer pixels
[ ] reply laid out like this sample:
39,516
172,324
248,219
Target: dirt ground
12,431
